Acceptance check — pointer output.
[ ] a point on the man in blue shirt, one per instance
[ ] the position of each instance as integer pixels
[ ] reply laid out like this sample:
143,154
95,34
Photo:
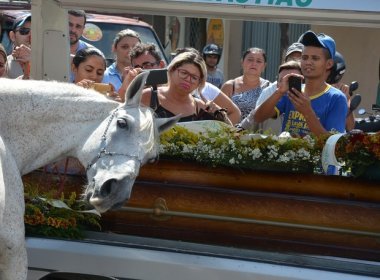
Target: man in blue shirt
319,108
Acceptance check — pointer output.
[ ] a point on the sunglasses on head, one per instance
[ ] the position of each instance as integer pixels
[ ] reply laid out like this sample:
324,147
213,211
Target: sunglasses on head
23,30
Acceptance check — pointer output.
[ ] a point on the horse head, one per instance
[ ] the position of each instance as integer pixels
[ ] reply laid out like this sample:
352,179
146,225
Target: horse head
126,140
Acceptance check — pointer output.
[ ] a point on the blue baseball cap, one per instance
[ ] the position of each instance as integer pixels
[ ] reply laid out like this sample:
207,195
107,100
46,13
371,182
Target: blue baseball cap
309,38
20,21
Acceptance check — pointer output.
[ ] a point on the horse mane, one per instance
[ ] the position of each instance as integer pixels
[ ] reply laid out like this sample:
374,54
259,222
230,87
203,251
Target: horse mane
38,99
155,142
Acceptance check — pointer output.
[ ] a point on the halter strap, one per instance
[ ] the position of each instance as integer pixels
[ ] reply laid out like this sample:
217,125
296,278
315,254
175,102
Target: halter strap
103,146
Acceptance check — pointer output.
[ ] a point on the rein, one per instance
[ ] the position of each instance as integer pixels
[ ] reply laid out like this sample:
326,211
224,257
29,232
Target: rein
103,146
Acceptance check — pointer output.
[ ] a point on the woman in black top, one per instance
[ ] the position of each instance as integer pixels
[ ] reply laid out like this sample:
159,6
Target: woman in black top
186,72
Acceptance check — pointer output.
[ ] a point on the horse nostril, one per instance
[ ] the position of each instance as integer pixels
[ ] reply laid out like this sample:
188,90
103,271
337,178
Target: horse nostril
107,188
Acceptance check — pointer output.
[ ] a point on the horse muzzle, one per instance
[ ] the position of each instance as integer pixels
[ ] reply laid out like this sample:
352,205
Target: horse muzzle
111,194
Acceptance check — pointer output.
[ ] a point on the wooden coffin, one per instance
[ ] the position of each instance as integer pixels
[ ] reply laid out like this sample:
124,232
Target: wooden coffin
304,213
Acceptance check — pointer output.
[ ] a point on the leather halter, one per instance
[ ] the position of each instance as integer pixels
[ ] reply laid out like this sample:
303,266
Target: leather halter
103,146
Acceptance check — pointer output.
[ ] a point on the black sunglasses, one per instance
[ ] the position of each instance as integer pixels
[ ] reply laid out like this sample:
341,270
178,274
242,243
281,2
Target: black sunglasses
23,30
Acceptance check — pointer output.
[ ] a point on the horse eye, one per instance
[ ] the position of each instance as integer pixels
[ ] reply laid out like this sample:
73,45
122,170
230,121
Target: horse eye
122,123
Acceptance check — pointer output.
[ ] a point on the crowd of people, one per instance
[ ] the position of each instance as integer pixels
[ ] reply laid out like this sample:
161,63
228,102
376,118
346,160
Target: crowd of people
318,108
195,86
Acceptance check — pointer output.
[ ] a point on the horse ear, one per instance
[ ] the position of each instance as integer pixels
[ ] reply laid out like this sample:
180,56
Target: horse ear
134,91
166,123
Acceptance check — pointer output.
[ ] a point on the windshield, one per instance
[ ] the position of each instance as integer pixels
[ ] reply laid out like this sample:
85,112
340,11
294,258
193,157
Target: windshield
101,35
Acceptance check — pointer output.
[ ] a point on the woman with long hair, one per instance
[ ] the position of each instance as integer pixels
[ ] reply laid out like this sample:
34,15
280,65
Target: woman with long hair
246,89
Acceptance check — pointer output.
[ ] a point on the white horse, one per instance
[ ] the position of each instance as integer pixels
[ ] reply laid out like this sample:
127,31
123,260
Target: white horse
42,122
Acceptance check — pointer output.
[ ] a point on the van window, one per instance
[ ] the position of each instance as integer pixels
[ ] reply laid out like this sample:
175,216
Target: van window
100,31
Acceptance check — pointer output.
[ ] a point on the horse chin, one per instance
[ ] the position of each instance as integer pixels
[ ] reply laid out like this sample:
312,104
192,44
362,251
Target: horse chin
111,194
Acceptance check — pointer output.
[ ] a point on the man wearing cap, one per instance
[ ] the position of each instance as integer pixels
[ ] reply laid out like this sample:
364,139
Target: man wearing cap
319,108
294,52
20,35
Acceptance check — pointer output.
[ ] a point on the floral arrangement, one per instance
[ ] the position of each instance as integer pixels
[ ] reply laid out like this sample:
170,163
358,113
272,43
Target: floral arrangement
361,154
62,217
226,147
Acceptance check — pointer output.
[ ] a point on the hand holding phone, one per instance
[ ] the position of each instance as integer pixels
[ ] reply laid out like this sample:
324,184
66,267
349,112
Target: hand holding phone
102,88
294,82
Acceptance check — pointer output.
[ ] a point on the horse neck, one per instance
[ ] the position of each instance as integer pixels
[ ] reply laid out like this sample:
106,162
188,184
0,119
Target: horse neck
44,121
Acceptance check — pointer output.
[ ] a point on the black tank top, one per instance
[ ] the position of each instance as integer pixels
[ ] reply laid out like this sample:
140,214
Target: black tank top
161,112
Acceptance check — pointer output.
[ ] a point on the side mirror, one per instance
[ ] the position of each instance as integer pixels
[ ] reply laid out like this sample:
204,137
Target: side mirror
353,86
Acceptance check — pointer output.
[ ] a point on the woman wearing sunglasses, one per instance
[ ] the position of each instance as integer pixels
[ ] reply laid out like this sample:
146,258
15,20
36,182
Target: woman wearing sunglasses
186,72
18,64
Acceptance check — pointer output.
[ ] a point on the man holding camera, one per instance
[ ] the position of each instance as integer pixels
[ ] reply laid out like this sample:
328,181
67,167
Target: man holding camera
18,63
318,108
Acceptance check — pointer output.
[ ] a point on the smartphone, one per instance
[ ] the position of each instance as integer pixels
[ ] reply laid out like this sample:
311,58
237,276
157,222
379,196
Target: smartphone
157,77
295,82
102,88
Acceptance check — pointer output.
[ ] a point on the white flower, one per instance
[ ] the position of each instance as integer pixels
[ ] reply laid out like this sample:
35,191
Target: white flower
291,155
256,153
309,140
273,151
283,158
222,148
303,154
